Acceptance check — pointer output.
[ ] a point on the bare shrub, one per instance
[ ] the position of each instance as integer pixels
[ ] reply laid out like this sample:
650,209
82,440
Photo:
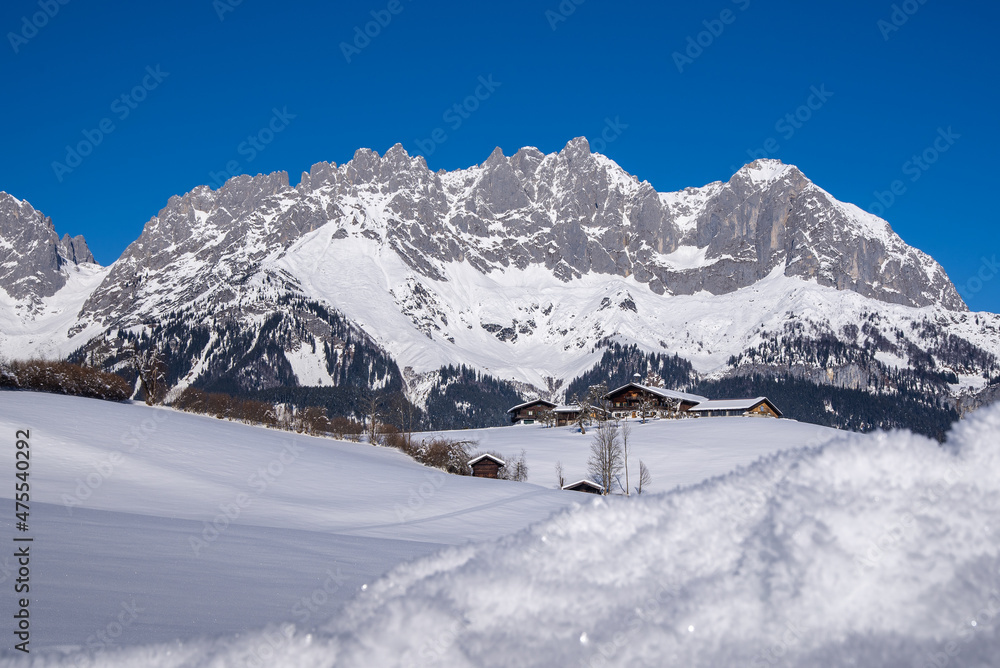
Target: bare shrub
64,378
346,429
446,454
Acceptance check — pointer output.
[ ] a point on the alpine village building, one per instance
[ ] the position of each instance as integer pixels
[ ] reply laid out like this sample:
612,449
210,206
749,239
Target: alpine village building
634,399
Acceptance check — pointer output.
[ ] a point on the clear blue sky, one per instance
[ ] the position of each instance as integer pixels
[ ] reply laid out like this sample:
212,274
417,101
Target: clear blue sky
554,79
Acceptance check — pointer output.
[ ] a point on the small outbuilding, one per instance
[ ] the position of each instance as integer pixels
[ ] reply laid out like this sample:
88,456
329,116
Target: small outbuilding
756,407
585,486
486,466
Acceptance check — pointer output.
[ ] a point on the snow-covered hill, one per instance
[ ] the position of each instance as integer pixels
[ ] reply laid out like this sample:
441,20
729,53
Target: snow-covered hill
521,267
215,527
856,550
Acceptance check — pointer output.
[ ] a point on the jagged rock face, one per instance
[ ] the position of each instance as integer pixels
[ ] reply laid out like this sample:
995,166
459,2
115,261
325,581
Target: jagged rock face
205,242
573,212
32,257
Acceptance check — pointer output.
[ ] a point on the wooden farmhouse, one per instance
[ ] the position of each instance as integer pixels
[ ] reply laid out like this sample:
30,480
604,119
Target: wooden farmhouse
758,407
585,486
529,412
627,401
486,466
631,400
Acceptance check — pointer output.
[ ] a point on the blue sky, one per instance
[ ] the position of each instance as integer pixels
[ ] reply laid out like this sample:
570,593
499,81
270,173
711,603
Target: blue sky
199,77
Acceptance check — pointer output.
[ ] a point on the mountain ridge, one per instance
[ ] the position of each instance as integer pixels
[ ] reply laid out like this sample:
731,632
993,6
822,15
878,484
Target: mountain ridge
523,267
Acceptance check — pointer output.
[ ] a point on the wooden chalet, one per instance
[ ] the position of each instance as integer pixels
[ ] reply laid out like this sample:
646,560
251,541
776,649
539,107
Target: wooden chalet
585,486
486,466
527,413
757,407
627,401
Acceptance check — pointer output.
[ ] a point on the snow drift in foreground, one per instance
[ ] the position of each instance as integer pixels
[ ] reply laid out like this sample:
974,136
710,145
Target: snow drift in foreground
877,550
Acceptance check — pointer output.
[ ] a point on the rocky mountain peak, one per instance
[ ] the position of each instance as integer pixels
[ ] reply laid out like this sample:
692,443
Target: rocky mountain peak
33,260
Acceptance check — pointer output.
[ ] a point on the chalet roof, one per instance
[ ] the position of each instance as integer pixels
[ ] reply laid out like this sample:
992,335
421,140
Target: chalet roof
733,405
663,392
531,403
583,483
487,456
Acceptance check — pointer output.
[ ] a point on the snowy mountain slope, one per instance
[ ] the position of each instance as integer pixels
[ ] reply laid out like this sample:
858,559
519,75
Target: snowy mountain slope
522,267
42,326
44,282
865,550
127,502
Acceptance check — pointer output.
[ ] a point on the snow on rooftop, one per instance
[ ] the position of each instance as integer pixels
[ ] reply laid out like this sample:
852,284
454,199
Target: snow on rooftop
728,404
487,456
664,392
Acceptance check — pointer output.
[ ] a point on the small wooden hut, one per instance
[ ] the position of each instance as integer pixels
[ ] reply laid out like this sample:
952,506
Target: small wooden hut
486,466
585,486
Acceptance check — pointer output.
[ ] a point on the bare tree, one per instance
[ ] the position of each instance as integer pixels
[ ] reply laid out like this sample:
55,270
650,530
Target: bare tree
626,432
559,475
605,461
516,469
312,420
547,417
584,416
646,404
596,397
152,369
372,416
673,408
405,414
644,478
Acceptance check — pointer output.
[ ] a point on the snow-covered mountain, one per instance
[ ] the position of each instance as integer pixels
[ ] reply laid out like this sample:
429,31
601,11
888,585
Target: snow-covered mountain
521,267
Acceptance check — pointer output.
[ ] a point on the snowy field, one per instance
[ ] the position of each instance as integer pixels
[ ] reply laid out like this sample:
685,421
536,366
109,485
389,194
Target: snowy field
677,452
876,550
